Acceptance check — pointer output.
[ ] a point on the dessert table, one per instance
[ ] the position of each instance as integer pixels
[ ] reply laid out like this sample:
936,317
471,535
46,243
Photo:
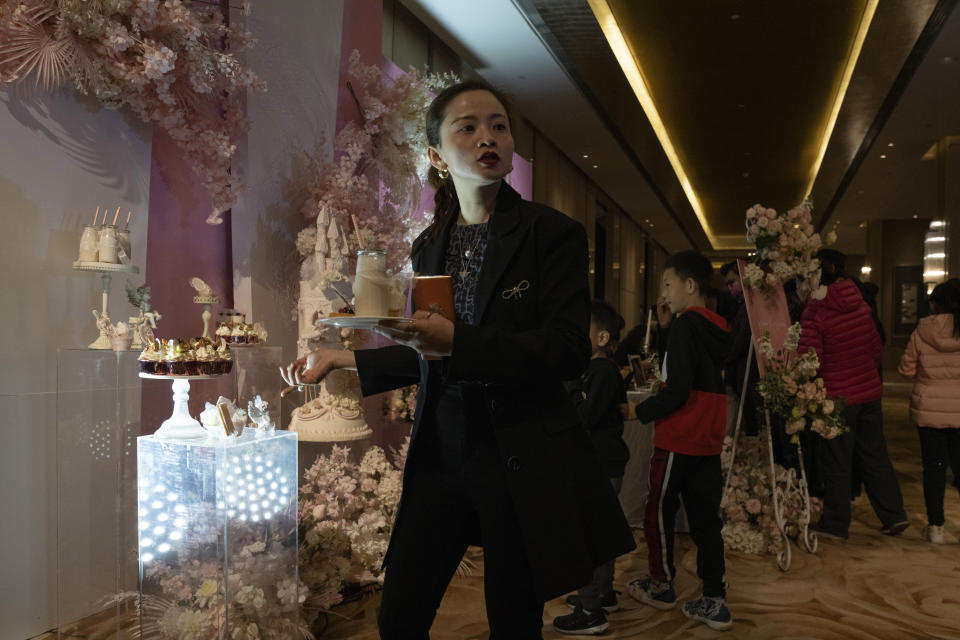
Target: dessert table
638,437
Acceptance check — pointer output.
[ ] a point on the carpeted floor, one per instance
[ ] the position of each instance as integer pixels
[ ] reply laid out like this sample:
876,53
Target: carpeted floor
868,587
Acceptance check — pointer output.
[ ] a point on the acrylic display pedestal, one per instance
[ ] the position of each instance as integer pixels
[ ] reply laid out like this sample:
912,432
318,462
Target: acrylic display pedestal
217,522
258,374
98,421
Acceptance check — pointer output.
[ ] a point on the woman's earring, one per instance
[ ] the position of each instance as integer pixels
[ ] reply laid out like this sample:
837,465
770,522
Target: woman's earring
443,173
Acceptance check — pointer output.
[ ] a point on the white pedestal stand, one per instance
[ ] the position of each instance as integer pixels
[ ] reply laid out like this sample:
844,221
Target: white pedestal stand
180,425
105,269
206,301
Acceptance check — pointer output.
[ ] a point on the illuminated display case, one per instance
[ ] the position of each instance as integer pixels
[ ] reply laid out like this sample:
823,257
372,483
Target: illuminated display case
217,533
99,409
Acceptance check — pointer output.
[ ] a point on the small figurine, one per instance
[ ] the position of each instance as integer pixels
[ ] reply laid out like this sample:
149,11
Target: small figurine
258,410
139,297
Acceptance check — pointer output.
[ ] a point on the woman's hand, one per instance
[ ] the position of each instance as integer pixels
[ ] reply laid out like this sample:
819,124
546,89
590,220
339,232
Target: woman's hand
314,367
428,332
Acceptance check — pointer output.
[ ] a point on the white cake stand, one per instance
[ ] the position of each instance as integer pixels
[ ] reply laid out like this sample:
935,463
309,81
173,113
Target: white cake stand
105,269
180,425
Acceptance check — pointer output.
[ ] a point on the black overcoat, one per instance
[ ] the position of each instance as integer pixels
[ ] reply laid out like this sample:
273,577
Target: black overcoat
530,334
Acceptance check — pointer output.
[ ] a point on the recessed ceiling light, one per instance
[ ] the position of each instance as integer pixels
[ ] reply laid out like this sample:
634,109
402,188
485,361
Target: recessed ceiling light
883,156
916,215
586,155
949,59
735,16
594,166
889,144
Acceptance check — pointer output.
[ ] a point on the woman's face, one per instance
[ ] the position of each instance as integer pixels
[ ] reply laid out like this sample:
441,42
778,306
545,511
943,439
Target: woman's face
475,141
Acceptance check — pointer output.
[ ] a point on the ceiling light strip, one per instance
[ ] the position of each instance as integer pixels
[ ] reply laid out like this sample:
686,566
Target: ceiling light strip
851,63
631,68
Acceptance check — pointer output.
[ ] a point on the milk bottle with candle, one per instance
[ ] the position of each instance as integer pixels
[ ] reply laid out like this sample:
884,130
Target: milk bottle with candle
371,286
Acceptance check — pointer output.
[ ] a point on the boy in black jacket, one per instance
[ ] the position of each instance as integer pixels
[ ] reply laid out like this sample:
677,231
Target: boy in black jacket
598,396
690,414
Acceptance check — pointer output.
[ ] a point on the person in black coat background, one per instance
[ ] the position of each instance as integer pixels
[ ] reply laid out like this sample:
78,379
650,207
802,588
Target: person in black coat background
498,455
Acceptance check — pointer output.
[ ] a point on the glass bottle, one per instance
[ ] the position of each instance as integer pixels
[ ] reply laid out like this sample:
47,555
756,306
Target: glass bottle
89,244
108,244
371,287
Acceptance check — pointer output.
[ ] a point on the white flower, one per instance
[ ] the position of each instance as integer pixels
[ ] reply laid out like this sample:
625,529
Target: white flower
246,632
207,592
192,625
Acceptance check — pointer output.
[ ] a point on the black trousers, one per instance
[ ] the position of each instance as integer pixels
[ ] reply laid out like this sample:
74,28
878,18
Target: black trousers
865,443
454,495
939,448
697,481
442,514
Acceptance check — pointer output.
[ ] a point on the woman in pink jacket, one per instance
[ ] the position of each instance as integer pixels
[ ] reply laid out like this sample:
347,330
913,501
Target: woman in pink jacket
933,357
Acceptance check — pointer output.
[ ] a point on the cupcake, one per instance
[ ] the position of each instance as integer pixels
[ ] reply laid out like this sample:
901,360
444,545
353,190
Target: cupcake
150,358
176,362
206,357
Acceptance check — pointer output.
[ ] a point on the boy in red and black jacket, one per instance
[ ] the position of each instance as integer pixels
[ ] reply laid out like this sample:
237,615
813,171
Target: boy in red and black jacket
689,413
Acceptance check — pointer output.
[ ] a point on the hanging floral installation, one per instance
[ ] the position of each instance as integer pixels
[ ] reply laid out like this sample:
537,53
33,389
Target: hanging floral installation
173,64
786,248
379,165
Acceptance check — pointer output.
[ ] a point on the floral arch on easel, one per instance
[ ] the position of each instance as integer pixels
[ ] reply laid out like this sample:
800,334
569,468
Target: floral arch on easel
763,507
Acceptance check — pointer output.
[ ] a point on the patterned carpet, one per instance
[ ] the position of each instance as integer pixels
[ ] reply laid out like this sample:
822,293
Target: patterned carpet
868,587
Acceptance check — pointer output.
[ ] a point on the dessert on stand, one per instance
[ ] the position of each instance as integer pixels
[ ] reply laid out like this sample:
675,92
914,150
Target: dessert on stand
182,361
237,332
104,249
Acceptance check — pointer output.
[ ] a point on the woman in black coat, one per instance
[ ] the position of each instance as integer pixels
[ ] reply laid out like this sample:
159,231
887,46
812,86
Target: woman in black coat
498,456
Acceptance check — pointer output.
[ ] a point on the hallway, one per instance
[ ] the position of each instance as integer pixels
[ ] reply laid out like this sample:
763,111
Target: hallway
869,587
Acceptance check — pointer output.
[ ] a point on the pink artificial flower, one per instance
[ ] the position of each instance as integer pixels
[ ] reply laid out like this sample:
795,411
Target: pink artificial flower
753,506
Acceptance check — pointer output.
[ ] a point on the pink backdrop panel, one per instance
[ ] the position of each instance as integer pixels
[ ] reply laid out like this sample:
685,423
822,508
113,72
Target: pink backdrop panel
768,312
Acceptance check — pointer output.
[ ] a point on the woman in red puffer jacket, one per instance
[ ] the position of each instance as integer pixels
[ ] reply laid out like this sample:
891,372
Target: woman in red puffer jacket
840,328
933,358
